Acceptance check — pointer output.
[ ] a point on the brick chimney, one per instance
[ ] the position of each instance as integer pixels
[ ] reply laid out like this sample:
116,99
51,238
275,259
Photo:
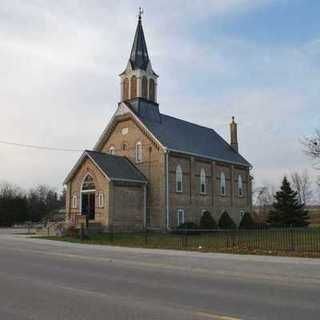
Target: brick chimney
234,135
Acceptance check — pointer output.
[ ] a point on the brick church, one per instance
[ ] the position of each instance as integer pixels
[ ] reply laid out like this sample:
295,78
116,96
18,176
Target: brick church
151,170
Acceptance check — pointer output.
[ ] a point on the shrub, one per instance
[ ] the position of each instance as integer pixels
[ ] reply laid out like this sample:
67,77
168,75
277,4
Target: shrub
187,226
207,222
225,222
247,222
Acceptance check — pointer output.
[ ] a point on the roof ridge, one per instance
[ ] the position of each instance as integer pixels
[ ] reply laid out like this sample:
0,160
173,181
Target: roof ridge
194,124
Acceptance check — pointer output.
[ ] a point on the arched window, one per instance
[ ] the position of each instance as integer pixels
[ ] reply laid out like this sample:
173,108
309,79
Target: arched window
88,183
112,150
203,186
180,216
101,200
133,87
222,183
144,87
88,197
178,179
74,201
125,89
152,92
139,152
124,146
240,186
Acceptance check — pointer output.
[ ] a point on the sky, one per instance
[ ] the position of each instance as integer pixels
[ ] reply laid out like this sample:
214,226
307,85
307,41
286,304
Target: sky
257,60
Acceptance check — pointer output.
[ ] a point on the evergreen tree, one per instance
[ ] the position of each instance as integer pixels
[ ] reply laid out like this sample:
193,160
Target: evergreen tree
207,222
287,211
225,222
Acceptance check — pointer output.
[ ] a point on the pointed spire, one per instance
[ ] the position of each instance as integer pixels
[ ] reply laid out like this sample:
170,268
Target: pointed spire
139,57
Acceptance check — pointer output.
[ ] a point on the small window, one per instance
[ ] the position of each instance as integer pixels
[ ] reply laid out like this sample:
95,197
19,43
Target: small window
180,217
222,183
139,152
112,150
101,200
240,186
74,202
203,186
124,147
178,179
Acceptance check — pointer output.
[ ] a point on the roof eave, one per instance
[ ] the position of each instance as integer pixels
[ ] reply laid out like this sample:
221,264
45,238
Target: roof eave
209,157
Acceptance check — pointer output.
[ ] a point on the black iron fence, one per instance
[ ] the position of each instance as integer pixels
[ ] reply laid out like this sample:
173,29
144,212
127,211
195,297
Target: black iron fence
270,241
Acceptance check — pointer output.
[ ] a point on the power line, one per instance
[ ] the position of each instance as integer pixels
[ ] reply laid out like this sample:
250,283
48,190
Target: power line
38,147
32,146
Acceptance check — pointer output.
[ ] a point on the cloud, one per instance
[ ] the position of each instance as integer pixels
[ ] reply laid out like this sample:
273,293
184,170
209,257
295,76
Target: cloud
60,62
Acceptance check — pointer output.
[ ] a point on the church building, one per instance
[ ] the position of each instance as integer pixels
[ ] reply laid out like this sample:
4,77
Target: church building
151,170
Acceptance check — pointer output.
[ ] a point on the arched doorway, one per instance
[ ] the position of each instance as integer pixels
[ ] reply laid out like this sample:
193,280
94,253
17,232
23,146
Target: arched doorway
88,196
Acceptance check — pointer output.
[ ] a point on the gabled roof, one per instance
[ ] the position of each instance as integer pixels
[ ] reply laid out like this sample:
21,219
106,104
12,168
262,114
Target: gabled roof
139,57
115,168
186,137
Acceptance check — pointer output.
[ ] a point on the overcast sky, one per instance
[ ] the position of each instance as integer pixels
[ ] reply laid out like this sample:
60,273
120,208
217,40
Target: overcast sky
258,60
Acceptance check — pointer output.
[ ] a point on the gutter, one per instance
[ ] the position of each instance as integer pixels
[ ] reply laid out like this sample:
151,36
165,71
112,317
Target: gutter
249,165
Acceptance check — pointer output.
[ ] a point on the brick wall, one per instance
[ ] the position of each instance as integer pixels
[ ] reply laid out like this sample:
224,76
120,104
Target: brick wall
193,202
74,188
127,207
127,131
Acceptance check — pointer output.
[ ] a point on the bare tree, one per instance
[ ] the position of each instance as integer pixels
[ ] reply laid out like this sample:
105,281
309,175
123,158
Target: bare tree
263,199
312,147
302,183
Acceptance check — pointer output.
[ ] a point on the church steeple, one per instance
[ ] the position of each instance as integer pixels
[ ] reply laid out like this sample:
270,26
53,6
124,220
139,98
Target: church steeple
139,57
139,80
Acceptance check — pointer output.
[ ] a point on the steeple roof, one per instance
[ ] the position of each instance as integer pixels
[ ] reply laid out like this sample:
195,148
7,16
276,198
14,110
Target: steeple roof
139,57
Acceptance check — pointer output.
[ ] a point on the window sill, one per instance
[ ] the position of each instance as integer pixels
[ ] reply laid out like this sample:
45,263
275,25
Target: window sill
203,193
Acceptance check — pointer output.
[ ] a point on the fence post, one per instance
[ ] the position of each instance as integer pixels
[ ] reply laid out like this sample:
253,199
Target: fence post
146,237
186,239
82,231
291,239
111,233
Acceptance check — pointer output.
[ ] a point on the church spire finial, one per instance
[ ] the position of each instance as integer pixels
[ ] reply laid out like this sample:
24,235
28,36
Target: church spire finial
140,13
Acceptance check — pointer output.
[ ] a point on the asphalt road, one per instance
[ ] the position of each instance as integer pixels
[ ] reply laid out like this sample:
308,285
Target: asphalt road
41,279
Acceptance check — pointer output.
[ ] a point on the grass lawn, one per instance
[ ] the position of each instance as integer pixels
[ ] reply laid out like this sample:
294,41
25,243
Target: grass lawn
303,243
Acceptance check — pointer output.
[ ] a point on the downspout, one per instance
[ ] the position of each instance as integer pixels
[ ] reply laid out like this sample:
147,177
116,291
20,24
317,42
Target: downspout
145,206
167,189
68,201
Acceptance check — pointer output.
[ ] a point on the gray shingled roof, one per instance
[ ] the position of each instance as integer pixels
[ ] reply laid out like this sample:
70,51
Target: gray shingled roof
183,136
116,167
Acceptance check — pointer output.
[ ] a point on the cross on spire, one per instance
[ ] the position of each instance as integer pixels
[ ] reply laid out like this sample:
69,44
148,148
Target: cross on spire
140,13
